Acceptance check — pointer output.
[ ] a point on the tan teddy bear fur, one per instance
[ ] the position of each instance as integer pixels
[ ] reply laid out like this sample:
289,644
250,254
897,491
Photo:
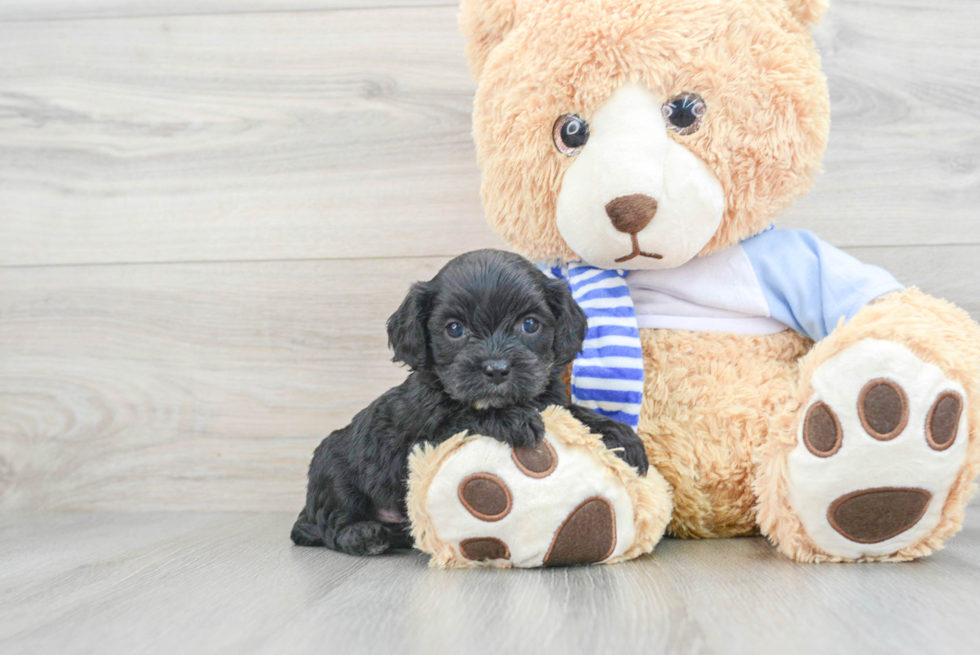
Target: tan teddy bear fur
721,412
753,62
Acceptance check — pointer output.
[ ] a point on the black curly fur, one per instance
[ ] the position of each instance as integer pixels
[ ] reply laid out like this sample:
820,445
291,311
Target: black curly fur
358,476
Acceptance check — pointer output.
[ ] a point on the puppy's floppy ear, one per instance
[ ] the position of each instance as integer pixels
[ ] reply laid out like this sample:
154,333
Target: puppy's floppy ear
570,322
407,333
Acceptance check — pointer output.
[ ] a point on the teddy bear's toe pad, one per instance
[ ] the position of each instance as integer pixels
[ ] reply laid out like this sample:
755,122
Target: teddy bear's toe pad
485,496
537,462
878,451
481,550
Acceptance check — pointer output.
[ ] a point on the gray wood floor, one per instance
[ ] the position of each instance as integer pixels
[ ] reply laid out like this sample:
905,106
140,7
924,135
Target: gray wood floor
114,583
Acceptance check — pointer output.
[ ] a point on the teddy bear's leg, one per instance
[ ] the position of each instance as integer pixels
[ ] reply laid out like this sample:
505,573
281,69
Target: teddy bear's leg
476,501
875,457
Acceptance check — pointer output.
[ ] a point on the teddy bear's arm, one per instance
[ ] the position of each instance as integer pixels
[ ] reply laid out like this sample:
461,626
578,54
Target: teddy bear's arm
809,284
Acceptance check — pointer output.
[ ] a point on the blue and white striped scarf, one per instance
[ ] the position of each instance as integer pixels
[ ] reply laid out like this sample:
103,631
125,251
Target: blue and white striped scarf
607,376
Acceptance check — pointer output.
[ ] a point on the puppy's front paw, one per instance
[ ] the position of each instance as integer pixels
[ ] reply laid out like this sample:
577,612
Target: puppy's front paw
617,437
364,538
520,427
634,454
529,431
626,444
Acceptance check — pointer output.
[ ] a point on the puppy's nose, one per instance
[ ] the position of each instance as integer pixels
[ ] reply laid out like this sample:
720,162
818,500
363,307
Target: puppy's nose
496,369
632,213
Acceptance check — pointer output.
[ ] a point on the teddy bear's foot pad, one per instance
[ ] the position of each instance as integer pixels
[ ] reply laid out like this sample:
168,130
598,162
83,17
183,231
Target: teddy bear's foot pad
475,501
588,535
879,448
874,515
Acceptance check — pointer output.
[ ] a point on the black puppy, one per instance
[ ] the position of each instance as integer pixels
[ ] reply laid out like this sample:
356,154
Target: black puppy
487,341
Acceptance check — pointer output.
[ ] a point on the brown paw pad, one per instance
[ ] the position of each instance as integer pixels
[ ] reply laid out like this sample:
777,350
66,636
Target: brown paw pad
883,408
537,462
485,496
872,515
943,420
822,433
484,548
588,535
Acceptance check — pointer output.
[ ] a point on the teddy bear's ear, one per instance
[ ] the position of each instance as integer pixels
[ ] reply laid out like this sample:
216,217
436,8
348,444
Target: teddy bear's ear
808,12
484,24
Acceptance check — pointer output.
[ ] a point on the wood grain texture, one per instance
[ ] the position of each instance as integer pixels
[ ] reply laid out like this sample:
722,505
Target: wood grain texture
18,10
237,137
232,583
207,386
346,134
903,163
186,386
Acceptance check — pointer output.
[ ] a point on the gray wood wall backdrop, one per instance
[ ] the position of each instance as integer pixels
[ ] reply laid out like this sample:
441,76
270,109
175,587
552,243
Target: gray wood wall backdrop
209,207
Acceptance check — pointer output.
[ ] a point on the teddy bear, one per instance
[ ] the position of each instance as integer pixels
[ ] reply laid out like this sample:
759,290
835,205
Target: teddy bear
642,151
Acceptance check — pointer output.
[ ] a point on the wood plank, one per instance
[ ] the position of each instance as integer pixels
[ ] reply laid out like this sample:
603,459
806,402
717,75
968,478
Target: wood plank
296,136
243,137
209,583
95,569
15,10
207,386
186,386
903,164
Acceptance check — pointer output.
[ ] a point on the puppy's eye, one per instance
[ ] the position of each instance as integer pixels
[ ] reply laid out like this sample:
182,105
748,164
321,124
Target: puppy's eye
530,325
684,113
570,133
455,330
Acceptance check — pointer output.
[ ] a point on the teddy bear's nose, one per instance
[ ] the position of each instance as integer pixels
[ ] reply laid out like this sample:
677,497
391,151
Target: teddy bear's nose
631,213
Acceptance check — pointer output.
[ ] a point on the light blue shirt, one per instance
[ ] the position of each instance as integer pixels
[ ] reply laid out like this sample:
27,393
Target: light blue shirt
810,285
776,280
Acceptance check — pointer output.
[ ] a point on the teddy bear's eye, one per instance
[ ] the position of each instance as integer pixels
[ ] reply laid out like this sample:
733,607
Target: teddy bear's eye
571,134
684,113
